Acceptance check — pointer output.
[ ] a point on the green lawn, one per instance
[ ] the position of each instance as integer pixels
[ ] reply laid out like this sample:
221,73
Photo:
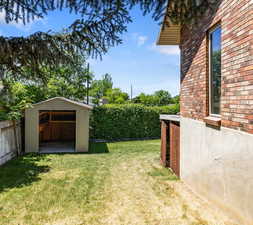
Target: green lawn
117,183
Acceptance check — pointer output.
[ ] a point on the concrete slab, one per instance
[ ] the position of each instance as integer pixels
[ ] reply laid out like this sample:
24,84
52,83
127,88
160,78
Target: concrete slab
57,147
175,118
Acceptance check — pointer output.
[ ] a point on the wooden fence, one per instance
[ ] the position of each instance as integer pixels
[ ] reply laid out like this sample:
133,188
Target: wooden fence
10,140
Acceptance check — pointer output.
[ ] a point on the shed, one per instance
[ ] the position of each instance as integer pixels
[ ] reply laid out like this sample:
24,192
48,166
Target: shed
57,125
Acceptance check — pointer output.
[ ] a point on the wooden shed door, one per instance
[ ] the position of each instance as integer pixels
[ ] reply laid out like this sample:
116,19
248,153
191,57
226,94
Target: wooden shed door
57,126
175,147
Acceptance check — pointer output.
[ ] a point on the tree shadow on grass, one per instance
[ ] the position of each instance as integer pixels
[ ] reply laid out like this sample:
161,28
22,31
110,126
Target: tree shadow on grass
22,171
98,148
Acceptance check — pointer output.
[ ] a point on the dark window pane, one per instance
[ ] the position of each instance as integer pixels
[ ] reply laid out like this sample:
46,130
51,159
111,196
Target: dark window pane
215,60
57,115
63,116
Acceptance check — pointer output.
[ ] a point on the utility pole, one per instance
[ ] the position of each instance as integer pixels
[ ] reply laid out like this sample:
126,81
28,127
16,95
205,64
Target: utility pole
88,83
131,96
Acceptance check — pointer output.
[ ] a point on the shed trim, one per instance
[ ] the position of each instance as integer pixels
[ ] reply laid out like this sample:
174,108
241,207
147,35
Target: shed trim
66,100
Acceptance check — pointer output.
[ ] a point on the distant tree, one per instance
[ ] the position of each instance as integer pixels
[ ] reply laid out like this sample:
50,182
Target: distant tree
67,81
148,99
107,82
160,97
136,100
164,97
116,96
13,99
176,99
100,87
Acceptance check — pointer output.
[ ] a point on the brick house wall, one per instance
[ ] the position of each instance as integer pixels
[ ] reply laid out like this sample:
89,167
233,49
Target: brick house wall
236,19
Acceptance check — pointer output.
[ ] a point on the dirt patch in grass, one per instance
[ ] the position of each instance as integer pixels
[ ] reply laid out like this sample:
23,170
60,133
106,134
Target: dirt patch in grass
142,192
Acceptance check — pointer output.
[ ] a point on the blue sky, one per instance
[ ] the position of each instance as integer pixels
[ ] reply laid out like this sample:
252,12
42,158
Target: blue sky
138,61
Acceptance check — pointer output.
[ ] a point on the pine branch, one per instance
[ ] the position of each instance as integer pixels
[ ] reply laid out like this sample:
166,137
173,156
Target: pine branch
100,25
27,10
92,37
179,11
188,11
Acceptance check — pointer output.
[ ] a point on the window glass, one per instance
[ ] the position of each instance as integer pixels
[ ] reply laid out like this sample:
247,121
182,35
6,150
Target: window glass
215,73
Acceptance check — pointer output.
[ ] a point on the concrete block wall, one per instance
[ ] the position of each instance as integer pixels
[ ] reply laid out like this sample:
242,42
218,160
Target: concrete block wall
217,164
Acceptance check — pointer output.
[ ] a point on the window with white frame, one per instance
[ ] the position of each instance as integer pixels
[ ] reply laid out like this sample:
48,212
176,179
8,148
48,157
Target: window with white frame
215,70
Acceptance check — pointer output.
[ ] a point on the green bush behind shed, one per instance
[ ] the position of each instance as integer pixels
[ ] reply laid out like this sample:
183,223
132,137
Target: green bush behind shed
115,122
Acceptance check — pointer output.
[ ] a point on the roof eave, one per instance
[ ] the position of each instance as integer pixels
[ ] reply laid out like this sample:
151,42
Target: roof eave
66,100
169,34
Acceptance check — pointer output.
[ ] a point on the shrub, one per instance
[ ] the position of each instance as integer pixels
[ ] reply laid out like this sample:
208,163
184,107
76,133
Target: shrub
113,122
3,115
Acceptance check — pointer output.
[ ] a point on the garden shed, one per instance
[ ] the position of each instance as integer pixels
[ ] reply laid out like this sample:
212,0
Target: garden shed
57,125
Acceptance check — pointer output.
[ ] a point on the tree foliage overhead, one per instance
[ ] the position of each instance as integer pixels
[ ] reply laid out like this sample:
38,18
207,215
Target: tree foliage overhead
99,27
188,11
65,80
97,30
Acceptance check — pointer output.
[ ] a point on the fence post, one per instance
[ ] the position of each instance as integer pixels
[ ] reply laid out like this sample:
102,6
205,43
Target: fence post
15,136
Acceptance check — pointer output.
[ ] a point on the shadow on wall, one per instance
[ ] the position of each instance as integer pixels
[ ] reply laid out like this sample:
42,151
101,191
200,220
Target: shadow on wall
98,148
22,171
192,40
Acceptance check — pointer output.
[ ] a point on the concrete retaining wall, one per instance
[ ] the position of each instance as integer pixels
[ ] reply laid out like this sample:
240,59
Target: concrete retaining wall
218,164
9,144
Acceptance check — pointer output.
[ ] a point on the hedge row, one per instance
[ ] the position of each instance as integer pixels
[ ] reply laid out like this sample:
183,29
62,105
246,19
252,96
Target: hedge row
3,115
113,122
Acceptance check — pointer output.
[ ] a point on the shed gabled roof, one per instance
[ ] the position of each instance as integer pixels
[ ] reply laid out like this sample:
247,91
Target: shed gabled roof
65,100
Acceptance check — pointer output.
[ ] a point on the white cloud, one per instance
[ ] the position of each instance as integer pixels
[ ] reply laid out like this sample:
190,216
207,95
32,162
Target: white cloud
2,17
166,50
19,24
142,40
139,39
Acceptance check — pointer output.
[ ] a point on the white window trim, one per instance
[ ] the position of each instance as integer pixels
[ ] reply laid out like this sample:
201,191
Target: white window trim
210,71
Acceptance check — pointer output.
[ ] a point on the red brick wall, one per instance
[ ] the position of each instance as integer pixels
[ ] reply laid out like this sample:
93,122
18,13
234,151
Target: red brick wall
236,18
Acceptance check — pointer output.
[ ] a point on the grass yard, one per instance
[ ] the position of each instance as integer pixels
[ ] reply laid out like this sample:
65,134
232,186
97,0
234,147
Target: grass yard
118,184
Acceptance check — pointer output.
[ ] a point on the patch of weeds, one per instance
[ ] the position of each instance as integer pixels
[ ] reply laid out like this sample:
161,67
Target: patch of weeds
160,186
200,222
184,209
164,173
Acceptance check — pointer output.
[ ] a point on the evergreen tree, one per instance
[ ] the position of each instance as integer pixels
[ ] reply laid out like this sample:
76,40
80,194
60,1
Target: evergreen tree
98,28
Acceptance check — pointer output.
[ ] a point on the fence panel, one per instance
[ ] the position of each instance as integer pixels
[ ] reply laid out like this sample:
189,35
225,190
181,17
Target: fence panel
10,140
